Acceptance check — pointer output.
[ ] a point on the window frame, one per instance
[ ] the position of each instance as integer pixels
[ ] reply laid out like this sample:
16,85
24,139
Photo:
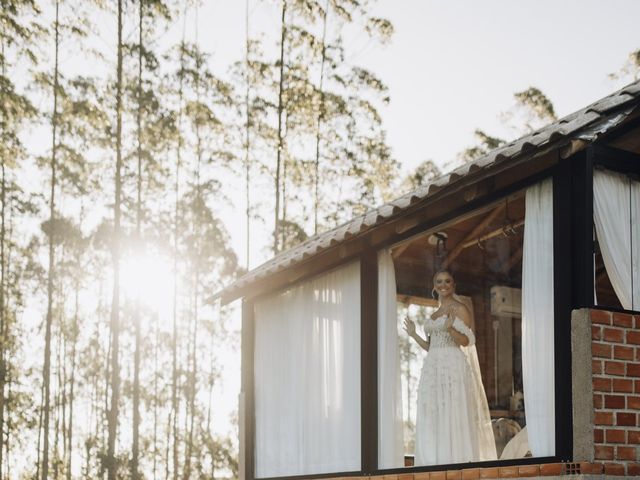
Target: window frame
246,403
567,259
616,160
563,307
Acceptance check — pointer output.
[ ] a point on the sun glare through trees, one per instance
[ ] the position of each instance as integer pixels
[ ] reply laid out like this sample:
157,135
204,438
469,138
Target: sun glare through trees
148,279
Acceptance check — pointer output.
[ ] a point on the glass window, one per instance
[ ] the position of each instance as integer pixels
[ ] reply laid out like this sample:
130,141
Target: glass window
464,368
307,377
616,215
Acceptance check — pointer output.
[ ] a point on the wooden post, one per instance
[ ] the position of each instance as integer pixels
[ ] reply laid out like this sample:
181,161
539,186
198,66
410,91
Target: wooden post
246,401
564,208
580,181
369,360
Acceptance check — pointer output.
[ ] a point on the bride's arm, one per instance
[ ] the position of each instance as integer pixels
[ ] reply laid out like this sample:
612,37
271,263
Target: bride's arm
410,328
463,314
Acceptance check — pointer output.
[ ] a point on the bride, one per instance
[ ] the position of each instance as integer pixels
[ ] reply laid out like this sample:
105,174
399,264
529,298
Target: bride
452,420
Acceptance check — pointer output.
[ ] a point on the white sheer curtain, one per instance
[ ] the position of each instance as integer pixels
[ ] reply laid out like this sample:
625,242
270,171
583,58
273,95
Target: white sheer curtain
307,377
537,319
390,442
616,203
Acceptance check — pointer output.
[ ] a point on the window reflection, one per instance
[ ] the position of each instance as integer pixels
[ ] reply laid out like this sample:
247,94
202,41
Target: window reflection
483,251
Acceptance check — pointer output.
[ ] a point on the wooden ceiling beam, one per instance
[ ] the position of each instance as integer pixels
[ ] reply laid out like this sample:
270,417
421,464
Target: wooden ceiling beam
515,258
506,230
396,252
474,233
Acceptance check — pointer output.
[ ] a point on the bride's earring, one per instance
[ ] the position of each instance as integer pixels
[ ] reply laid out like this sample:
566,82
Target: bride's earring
434,294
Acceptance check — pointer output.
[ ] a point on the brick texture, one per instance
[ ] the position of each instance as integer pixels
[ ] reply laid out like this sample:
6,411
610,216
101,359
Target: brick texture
617,468
615,342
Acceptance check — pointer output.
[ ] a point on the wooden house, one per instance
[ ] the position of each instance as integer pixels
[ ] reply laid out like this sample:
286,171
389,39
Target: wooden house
542,236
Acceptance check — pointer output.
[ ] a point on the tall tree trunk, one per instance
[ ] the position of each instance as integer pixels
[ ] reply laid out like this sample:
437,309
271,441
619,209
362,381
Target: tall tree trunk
283,34
59,396
321,114
9,248
156,354
76,329
46,374
286,164
174,380
135,450
199,206
196,267
167,461
209,409
107,382
112,418
247,146
3,319
40,422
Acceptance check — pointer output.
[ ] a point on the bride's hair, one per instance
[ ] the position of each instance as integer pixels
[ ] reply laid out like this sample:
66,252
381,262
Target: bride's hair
443,270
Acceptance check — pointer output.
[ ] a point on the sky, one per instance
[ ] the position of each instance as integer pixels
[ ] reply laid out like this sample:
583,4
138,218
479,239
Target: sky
453,66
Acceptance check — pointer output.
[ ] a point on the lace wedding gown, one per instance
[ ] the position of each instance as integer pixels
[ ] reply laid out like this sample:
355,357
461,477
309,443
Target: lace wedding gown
452,420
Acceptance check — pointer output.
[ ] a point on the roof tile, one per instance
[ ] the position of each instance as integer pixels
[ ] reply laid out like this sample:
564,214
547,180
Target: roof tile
571,125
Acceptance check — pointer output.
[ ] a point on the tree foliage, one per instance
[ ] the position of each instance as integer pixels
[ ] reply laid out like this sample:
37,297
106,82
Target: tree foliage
120,164
532,110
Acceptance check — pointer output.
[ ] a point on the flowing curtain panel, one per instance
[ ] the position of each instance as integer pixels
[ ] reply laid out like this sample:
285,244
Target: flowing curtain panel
537,319
390,425
616,207
307,377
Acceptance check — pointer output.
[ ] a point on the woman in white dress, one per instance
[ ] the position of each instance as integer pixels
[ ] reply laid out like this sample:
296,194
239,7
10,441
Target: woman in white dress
452,419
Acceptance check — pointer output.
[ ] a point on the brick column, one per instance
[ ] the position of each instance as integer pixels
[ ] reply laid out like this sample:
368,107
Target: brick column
615,345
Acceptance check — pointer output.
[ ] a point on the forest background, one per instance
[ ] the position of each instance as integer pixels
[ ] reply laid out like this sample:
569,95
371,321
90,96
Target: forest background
140,175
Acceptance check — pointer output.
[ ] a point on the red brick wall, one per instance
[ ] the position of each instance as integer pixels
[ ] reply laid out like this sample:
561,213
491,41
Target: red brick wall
615,348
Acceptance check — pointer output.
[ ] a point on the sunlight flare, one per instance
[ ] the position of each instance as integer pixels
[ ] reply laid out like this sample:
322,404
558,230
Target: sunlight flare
148,278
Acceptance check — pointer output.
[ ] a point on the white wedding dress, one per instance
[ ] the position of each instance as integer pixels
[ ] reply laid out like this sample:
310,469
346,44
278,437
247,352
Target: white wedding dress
453,424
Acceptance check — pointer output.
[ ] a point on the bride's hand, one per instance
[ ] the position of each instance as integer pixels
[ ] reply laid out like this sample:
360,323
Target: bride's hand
448,323
409,327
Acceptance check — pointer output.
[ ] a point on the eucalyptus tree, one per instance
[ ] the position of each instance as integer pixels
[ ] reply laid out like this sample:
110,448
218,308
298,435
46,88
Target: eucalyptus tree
175,94
331,93
485,143
421,175
152,125
82,124
330,103
21,276
19,34
113,413
630,70
535,107
280,133
256,104
532,110
209,102
352,163
74,120
50,272
303,106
